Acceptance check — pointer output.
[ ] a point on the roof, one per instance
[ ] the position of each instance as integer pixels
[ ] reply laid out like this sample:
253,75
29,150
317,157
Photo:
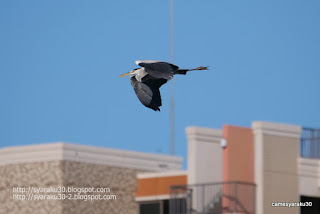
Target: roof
89,154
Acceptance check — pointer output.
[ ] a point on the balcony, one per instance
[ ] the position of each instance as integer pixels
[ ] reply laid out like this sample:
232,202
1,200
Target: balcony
310,143
213,198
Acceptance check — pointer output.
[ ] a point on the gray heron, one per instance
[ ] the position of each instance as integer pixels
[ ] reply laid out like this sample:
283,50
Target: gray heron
147,80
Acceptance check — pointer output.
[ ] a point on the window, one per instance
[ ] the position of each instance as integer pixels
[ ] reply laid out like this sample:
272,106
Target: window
314,209
154,207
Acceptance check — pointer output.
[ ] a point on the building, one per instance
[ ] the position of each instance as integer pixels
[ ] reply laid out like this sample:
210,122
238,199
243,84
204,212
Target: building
262,169
45,168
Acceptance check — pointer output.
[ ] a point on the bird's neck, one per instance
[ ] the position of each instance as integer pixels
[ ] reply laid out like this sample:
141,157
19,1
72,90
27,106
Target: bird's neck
140,73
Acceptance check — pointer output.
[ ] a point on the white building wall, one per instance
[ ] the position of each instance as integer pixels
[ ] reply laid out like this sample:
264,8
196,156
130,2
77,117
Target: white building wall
309,177
204,155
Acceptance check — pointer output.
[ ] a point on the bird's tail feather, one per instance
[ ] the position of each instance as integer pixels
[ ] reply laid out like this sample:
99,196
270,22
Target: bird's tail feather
184,71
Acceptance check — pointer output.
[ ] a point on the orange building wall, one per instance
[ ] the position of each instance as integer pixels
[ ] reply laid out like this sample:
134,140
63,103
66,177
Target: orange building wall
238,157
158,185
238,160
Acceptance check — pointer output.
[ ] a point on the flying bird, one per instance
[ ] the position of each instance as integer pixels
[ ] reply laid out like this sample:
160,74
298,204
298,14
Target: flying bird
147,80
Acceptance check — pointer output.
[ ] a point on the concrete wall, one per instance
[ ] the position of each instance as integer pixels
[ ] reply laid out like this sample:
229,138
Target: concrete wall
309,177
238,154
42,174
204,155
78,166
121,181
204,160
238,165
276,169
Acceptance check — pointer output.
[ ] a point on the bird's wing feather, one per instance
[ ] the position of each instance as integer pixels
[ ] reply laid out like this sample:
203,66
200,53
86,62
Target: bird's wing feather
148,92
158,69
147,61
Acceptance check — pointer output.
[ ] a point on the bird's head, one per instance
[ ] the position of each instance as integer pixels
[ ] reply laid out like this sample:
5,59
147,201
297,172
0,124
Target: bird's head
129,73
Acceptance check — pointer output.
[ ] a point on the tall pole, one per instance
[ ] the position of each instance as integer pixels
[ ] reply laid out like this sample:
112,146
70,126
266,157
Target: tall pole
172,81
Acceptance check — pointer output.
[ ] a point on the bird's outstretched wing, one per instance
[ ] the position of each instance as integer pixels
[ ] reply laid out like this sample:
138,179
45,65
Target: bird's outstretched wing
148,92
158,69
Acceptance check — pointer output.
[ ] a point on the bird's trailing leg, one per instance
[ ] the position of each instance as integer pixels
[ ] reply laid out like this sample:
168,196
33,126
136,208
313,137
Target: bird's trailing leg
199,68
184,71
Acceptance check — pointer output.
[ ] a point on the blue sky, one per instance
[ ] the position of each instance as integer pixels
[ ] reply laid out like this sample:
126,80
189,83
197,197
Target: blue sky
60,62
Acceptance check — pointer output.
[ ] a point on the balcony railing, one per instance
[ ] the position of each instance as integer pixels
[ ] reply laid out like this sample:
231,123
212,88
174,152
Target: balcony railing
310,143
213,198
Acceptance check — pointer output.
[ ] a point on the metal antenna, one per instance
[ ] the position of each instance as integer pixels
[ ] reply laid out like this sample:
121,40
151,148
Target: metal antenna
172,81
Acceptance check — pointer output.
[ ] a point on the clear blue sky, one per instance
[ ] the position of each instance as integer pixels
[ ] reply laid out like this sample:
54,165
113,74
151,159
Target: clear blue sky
60,62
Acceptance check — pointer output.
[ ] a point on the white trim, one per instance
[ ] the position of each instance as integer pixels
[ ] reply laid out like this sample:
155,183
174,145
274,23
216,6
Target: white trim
89,154
309,168
143,175
276,129
259,171
309,177
152,198
204,134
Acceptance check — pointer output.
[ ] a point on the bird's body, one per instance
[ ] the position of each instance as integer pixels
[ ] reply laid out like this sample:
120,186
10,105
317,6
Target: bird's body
147,80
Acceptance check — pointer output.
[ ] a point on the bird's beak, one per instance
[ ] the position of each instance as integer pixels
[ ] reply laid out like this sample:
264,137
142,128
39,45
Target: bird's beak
126,74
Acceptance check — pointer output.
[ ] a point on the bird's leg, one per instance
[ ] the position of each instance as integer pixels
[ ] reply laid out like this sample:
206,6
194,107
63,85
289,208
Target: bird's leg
202,68
184,71
199,68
